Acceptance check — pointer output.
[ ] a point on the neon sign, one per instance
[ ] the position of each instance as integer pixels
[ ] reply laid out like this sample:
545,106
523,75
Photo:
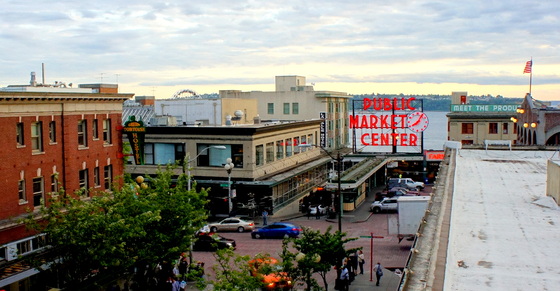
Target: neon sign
395,114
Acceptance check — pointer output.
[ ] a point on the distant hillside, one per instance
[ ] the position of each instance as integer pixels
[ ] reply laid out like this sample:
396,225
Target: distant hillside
439,102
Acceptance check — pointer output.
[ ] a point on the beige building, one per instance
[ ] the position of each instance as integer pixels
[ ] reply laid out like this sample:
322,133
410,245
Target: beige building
270,171
294,100
473,124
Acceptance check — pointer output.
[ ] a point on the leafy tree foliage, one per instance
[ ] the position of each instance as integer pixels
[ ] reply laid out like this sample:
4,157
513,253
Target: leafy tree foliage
314,252
111,233
233,272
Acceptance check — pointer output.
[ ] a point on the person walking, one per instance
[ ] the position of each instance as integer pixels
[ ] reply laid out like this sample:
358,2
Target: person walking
378,272
317,213
361,261
265,217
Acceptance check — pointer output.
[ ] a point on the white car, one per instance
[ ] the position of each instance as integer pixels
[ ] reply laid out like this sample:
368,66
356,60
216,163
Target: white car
232,224
386,205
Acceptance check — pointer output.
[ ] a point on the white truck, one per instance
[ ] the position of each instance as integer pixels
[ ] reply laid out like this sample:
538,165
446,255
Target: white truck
411,210
405,182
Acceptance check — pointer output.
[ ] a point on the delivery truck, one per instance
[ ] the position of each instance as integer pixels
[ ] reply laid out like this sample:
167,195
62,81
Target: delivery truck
410,213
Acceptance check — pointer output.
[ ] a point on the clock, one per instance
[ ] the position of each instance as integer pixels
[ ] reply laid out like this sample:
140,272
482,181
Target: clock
417,121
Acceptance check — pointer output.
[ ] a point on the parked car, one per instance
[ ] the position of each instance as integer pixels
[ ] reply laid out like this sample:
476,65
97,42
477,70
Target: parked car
232,224
395,192
270,273
322,209
405,182
212,242
277,230
387,204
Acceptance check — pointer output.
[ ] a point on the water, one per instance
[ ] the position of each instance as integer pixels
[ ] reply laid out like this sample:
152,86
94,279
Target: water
435,136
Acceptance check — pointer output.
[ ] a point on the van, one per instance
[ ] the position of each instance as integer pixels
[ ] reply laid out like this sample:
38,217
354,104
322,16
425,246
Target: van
405,182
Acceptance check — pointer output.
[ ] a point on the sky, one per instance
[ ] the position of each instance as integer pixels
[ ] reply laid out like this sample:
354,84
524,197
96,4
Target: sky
157,48
503,226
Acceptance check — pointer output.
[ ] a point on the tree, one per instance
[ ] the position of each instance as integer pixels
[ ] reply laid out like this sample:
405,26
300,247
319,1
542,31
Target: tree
133,227
315,252
233,272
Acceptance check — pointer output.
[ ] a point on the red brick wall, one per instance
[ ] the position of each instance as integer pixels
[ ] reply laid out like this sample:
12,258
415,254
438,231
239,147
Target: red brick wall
14,159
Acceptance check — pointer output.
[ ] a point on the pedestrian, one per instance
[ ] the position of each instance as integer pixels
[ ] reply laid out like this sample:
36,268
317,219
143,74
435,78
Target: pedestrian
317,213
182,266
265,217
361,261
309,212
344,278
378,272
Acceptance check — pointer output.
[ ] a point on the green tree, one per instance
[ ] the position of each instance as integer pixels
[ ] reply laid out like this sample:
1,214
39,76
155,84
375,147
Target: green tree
95,239
233,272
314,252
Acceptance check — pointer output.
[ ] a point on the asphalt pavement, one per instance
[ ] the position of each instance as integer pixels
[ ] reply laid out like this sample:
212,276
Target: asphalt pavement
371,229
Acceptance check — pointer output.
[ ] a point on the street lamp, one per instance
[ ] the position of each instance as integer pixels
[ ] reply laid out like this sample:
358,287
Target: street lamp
338,160
188,162
229,166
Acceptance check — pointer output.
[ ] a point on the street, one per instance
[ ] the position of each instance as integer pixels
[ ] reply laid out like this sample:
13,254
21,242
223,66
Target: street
360,223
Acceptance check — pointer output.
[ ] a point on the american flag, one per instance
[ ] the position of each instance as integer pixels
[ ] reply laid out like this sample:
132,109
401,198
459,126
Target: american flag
528,67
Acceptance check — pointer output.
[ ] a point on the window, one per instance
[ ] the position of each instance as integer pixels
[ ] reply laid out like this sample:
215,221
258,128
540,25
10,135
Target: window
467,128
493,128
82,133
21,191
19,134
279,150
270,152
259,155
270,108
95,129
505,128
37,136
52,132
107,131
163,153
27,246
96,182
296,145
38,191
108,176
295,108
467,141
83,175
54,182
286,108
288,147
149,154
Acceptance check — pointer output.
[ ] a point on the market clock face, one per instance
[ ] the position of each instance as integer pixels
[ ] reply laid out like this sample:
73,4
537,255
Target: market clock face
417,121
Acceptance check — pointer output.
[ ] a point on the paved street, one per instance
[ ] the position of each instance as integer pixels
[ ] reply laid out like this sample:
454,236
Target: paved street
387,250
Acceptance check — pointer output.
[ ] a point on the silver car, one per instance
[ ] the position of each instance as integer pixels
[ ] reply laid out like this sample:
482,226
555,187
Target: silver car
232,224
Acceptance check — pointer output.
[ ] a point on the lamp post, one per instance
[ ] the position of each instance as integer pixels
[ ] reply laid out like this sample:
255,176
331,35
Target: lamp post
229,166
187,163
338,160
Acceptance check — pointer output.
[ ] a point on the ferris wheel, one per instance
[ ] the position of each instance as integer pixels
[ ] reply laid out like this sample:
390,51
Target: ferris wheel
192,95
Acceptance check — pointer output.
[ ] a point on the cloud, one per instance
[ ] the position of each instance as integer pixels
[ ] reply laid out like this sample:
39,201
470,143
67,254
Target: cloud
241,41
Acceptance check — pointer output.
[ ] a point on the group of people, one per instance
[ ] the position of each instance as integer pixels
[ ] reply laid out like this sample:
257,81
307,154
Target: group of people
349,270
174,277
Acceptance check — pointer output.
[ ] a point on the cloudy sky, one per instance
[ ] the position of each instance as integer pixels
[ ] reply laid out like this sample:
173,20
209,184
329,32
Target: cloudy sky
358,47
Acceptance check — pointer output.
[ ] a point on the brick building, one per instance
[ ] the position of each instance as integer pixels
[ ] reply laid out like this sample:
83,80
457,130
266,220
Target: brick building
52,136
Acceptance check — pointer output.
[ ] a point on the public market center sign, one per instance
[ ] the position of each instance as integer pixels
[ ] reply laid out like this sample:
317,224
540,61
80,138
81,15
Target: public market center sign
394,121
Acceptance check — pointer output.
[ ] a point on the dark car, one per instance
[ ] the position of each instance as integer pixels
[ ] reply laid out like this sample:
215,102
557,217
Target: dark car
277,230
212,242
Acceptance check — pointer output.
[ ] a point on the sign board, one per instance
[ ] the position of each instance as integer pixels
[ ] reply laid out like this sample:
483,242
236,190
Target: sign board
433,156
323,131
484,108
392,122
136,134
